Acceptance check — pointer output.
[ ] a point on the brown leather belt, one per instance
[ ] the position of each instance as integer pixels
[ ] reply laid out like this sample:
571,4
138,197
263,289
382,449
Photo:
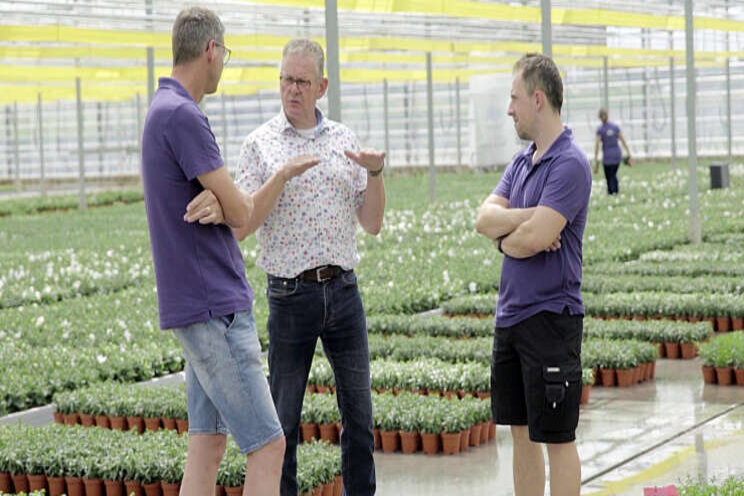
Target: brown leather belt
321,274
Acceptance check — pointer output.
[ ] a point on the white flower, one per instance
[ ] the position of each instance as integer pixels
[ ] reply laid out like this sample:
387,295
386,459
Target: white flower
101,358
39,321
472,287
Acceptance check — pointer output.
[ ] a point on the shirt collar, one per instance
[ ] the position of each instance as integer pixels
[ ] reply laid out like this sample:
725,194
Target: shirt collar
286,127
554,148
173,84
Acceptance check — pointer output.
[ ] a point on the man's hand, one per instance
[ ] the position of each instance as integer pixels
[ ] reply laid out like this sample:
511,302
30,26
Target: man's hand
596,165
298,165
555,245
370,159
204,208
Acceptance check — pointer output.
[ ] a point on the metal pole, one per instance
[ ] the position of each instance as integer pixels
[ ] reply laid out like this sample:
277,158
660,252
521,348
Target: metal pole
646,97
81,152
605,75
41,147
99,127
728,93
459,123
334,77
386,118
430,112
16,151
224,129
139,128
8,158
672,107
547,35
150,75
695,233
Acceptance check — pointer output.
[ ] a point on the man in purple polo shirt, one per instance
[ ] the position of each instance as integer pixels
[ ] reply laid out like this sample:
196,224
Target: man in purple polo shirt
608,134
536,217
202,290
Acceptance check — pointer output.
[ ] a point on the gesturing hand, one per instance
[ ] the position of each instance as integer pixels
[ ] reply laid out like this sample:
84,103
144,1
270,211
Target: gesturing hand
369,158
297,165
204,208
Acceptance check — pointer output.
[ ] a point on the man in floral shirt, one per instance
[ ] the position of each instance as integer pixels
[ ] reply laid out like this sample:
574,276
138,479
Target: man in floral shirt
310,183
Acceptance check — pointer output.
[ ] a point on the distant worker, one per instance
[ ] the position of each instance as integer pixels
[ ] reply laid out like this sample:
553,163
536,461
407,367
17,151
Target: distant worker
609,133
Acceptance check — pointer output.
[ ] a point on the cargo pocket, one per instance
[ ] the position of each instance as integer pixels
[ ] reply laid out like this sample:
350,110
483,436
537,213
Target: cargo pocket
562,392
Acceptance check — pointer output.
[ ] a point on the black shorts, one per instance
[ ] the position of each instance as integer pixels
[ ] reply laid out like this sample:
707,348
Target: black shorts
536,375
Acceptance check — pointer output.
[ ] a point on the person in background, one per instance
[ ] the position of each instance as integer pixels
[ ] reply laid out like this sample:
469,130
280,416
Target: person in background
609,134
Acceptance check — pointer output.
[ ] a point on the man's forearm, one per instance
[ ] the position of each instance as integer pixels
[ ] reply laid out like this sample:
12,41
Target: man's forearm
264,201
372,211
495,221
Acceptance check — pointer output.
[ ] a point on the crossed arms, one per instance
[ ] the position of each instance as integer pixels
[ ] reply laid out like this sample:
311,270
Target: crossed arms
524,232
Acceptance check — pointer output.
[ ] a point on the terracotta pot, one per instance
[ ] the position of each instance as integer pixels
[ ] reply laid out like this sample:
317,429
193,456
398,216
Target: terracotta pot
662,349
59,418
118,423
328,432
338,486
136,423
434,392
396,391
461,393
450,394
103,421
93,487
624,377
672,349
152,489
322,389
234,491
134,487
311,388
114,488
723,324
450,443
37,482
87,420
378,440
20,483
56,486
712,321
152,423
693,319
723,375
430,443
585,394
170,488
475,432
219,490
182,425
653,369
309,432
636,373
739,374
688,350
318,491
484,432
484,396
737,323
465,440
608,377
72,419
75,486
339,428
169,423
390,441
409,442
328,489
491,430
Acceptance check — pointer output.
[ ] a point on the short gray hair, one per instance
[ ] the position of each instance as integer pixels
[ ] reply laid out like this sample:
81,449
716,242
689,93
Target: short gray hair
193,29
539,72
306,48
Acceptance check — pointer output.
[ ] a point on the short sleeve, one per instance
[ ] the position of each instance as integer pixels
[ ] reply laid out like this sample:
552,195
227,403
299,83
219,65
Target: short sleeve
567,187
505,183
599,131
191,139
251,173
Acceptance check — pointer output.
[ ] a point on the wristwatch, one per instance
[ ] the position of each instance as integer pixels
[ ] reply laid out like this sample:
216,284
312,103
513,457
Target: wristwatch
377,172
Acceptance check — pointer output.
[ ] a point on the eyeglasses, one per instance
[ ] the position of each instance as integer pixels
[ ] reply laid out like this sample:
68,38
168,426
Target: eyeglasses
227,53
288,81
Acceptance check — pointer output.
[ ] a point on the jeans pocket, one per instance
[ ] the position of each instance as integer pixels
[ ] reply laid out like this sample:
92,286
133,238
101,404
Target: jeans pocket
560,397
281,288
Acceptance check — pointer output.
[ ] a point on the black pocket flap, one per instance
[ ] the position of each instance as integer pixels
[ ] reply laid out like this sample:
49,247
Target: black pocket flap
562,373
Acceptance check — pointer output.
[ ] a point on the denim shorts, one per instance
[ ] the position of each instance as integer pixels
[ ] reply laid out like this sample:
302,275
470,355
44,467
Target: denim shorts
226,388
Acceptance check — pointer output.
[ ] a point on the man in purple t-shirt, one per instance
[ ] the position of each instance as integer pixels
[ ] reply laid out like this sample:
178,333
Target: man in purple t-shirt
536,217
608,134
203,294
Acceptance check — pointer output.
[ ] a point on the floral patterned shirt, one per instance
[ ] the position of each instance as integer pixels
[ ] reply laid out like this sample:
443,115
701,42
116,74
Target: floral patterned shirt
314,220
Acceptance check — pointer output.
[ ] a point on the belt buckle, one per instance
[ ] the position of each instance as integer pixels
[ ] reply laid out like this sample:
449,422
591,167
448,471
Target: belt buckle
320,278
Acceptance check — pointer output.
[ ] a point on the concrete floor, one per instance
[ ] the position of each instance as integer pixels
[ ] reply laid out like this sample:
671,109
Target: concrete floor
654,434
658,433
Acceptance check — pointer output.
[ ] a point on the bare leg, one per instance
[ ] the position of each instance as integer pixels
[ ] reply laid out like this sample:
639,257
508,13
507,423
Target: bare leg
529,464
263,469
203,458
565,469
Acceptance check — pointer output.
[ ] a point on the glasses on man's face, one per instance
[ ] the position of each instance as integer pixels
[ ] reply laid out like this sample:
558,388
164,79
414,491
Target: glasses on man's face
288,81
226,53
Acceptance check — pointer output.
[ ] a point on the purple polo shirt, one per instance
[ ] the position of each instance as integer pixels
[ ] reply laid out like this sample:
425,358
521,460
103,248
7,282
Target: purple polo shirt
199,269
611,153
547,281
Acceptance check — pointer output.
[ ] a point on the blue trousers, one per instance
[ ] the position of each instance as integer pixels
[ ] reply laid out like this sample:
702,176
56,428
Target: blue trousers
611,176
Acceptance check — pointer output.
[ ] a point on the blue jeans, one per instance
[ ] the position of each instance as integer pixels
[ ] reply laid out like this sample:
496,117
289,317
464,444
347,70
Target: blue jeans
611,175
299,313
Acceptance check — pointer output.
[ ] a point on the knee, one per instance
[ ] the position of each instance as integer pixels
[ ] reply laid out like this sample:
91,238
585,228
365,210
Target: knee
275,449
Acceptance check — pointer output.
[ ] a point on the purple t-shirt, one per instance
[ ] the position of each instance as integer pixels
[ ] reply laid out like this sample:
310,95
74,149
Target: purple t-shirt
547,281
611,153
199,269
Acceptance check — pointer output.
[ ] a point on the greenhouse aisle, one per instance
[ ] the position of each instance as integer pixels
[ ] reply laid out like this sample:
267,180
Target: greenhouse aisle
628,439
